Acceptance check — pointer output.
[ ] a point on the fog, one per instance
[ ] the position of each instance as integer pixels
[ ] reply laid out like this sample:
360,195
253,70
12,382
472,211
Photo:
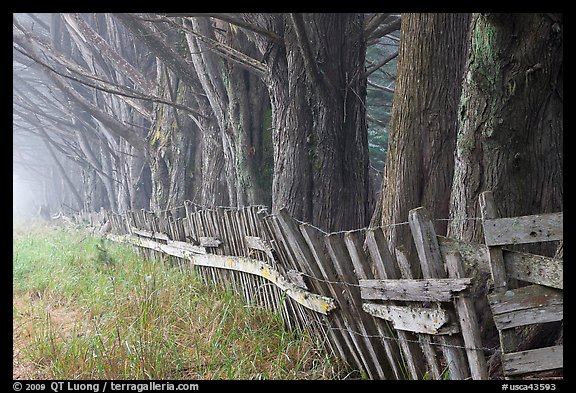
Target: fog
24,199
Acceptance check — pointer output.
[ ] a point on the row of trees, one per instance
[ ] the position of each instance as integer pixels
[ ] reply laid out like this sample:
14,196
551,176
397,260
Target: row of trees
131,111
219,109
147,110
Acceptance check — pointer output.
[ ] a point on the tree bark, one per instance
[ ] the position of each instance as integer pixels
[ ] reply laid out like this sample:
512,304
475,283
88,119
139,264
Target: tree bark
419,165
510,138
317,94
510,121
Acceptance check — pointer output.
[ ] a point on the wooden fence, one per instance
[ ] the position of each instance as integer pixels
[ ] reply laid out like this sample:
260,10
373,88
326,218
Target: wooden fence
346,288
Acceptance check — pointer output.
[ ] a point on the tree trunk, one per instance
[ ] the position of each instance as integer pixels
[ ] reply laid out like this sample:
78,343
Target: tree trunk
419,165
237,100
510,138
170,142
511,113
317,95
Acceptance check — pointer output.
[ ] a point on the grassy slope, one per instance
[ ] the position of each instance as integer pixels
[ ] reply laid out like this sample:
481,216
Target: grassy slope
85,308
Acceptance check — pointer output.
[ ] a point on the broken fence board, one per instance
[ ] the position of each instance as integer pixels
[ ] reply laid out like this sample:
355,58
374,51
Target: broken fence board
362,269
432,290
432,265
343,265
209,241
540,359
413,319
174,248
309,300
386,267
150,234
257,243
536,269
426,345
526,306
525,229
321,267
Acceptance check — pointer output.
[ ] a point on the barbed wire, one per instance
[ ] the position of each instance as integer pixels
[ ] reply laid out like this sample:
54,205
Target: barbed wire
382,226
380,336
383,336
318,321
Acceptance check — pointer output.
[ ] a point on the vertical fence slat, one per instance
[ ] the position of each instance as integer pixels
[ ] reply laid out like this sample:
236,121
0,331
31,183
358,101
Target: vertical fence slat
468,322
363,272
433,267
363,322
323,269
385,267
508,339
425,340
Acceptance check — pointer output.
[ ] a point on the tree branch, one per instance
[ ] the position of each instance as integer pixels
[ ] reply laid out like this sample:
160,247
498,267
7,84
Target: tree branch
303,43
101,85
230,18
373,23
380,87
380,64
227,52
383,30
121,65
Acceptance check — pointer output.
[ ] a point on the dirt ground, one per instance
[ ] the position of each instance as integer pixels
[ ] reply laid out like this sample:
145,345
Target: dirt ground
25,322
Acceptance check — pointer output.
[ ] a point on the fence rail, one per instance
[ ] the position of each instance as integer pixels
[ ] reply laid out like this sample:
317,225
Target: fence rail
347,288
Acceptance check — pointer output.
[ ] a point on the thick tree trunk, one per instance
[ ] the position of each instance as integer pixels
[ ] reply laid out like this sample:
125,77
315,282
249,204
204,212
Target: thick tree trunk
419,165
247,101
510,138
510,135
317,94
237,100
170,142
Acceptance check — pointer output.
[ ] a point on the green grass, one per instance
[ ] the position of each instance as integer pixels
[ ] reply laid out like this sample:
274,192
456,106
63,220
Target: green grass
87,308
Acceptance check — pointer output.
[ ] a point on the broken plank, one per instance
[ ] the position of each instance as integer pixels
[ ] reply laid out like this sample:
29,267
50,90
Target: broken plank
526,306
468,322
413,319
209,241
432,266
312,301
150,234
441,290
540,359
309,300
536,269
257,243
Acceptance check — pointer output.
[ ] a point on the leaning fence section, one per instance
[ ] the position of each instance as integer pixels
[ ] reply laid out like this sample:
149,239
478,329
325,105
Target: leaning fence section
347,289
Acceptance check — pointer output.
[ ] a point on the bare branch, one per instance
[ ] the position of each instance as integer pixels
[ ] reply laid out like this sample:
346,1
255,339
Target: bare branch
119,90
89,35
373,23
242,59
232,19
380,64
375,121
304,45
370,83
383,30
